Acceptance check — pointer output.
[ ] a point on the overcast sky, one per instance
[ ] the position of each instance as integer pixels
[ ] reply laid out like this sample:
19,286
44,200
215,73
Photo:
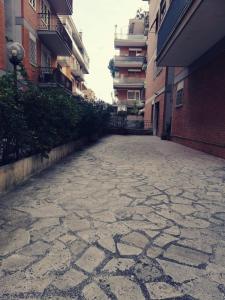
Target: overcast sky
97,20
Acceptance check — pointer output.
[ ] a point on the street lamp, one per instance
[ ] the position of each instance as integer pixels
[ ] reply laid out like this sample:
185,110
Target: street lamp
16,54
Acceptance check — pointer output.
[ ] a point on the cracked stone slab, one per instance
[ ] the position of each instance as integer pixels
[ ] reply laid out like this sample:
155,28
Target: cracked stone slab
186,255
69,280
58,259
123,288
154,251
90,259
16,262
108,243
136,239
10,242
180,273
119,264
128,250
46,211
147,269
38,248
162,290
19,282
164,239
93,292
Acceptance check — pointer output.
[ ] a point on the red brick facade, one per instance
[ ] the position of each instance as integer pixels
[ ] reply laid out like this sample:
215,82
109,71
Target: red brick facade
200,121
155,79
2,37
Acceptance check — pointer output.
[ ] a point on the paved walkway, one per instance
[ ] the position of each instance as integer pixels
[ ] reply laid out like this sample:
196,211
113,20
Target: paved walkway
130,218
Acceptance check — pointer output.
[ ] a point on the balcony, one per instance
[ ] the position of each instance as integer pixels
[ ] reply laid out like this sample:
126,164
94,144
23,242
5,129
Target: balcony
53,34
62,7
77,74
129,61
131,103
189,30
52,77
130,40
127,83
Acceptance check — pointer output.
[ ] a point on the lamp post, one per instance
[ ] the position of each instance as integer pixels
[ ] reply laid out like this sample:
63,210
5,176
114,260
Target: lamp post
16,54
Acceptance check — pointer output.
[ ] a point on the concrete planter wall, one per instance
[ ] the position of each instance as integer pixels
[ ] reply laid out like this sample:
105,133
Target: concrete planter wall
17,172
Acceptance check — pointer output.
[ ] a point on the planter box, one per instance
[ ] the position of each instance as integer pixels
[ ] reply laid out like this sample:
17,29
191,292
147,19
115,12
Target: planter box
13,174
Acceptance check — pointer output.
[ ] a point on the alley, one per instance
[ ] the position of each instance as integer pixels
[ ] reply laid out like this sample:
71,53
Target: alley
128,218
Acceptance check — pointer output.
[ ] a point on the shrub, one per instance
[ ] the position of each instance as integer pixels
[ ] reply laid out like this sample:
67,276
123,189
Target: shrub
35,120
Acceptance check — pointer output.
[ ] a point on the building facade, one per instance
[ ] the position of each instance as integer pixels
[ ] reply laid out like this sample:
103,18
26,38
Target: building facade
54,51
77,65
129,64
187,75
157,78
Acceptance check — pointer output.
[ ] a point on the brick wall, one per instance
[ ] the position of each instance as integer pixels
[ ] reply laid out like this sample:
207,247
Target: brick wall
2,37
200,122
154,84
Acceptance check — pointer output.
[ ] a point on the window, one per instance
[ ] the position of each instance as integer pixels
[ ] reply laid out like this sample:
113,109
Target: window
133,95
180,94
33,3
131,28
33,51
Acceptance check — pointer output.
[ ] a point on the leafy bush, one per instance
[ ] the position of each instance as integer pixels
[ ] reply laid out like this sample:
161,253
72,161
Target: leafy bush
35,120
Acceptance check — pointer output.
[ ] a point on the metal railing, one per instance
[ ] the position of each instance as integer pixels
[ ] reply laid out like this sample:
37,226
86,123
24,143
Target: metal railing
124,58
173,17
127,80
122,36
51,76
123,122
76,72
50,22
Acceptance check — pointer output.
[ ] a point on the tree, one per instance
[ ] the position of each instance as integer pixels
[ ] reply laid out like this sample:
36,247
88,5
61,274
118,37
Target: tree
112,67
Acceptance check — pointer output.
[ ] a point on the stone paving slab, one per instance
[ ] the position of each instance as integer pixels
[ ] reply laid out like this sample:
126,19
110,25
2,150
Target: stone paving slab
129,218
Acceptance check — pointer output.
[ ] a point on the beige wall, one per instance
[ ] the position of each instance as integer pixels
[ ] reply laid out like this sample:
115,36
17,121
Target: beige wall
13,174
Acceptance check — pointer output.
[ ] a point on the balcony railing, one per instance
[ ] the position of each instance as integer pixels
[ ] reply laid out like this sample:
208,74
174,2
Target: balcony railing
77,73
129,82
130,58
62,7
129,61
54,77
138,40
173,17
129,36
54,35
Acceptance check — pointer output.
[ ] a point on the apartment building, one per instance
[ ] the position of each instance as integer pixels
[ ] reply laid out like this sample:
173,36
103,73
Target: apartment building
77,65
54,51
185,74
130,63
158,79
37,26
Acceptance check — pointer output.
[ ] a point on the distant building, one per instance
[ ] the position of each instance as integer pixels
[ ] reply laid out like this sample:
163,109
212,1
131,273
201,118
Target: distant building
130,64
77,65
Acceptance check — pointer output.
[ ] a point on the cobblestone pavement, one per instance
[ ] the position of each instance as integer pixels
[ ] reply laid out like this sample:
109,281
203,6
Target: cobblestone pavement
129,218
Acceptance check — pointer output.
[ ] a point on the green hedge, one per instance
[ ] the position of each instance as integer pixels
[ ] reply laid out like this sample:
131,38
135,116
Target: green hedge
35,120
